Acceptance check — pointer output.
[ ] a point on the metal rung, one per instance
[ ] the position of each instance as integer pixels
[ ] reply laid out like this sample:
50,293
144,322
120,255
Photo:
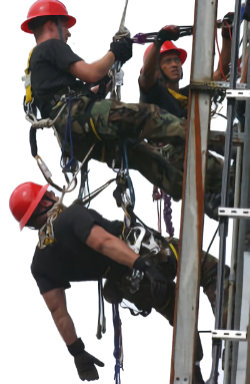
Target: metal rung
238,94
182,380
214,85
229,335
234,212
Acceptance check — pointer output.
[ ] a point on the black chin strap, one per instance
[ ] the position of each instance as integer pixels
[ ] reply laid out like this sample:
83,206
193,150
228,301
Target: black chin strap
59,26
35,215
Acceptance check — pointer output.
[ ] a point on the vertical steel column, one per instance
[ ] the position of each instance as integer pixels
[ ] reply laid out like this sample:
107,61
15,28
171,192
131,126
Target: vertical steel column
244,227
248,355
187,295
223,229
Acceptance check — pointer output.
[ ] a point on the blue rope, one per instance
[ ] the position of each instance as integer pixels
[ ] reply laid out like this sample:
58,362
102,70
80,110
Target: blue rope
70,165
118,351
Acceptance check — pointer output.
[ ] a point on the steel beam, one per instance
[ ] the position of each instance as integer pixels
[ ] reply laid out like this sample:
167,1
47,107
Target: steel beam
187,294
244,228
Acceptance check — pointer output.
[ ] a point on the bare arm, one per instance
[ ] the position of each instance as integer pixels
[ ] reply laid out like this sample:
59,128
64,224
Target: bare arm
223,65
110,246
56,303
93,72
150,70
244,70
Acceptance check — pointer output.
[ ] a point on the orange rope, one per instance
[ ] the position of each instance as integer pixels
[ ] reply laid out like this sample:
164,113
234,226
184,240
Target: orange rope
220,61
218,49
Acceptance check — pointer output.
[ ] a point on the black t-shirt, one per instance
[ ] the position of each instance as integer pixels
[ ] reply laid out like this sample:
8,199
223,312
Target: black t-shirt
69,258
160,96
49,65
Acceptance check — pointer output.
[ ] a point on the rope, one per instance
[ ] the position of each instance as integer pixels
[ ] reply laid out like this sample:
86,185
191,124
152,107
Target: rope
71,163
116,94
118,350
220,61
159,215
116,68
158,196
128,178
101,326
167,214
42,123
91,195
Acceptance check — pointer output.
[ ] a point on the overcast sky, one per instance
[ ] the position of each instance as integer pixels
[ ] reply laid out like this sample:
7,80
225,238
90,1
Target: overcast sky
32,350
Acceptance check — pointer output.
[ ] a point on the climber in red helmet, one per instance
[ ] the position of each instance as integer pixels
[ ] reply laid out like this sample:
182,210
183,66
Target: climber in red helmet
162,71
159,83
84,247
54,70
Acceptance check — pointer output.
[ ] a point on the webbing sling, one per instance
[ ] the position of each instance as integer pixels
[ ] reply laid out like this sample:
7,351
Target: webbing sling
27,82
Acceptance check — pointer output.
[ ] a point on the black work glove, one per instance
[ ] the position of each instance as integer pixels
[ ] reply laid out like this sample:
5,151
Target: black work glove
246,14
169,32
227,25
84,361
122,49
158,282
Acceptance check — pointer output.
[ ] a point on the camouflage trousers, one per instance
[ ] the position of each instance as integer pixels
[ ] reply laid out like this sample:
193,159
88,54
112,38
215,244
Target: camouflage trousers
155,141
117,288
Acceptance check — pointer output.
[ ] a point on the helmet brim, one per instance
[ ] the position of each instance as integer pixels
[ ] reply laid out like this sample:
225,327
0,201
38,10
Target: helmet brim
181,52
25,27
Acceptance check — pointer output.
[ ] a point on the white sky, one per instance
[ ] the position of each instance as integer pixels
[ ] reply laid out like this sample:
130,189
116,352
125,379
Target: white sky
32,350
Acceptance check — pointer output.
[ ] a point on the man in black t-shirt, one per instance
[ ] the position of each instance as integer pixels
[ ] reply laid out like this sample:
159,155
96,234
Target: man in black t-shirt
162,70
160,75
159,81
84,247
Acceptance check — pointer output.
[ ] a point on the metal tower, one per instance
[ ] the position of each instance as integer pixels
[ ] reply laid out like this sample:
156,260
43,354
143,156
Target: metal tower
237,350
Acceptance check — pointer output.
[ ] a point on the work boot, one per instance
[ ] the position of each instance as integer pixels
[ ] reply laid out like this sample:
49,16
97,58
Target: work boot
197,379
212,202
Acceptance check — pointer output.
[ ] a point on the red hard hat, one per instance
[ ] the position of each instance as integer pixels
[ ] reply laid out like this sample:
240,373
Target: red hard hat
24,200
47,8
168,46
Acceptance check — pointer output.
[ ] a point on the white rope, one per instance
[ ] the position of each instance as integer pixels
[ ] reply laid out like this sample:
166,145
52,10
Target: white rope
122,29
43,123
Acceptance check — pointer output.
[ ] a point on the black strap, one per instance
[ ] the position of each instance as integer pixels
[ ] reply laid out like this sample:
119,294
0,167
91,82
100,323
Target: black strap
33,142
246,14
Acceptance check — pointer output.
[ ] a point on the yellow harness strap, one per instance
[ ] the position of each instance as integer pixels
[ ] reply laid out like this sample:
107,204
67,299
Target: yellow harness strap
94,129
173,250
178,96
27,82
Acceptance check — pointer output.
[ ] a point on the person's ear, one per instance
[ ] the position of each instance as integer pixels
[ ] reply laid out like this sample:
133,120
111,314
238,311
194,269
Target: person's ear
50,25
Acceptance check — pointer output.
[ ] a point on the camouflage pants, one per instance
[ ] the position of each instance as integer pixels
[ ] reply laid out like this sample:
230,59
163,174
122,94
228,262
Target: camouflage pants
117,288
113,122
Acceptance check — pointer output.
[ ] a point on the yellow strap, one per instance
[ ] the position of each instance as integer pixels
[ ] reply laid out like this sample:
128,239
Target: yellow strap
93,129
174,251
28,97
178,96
